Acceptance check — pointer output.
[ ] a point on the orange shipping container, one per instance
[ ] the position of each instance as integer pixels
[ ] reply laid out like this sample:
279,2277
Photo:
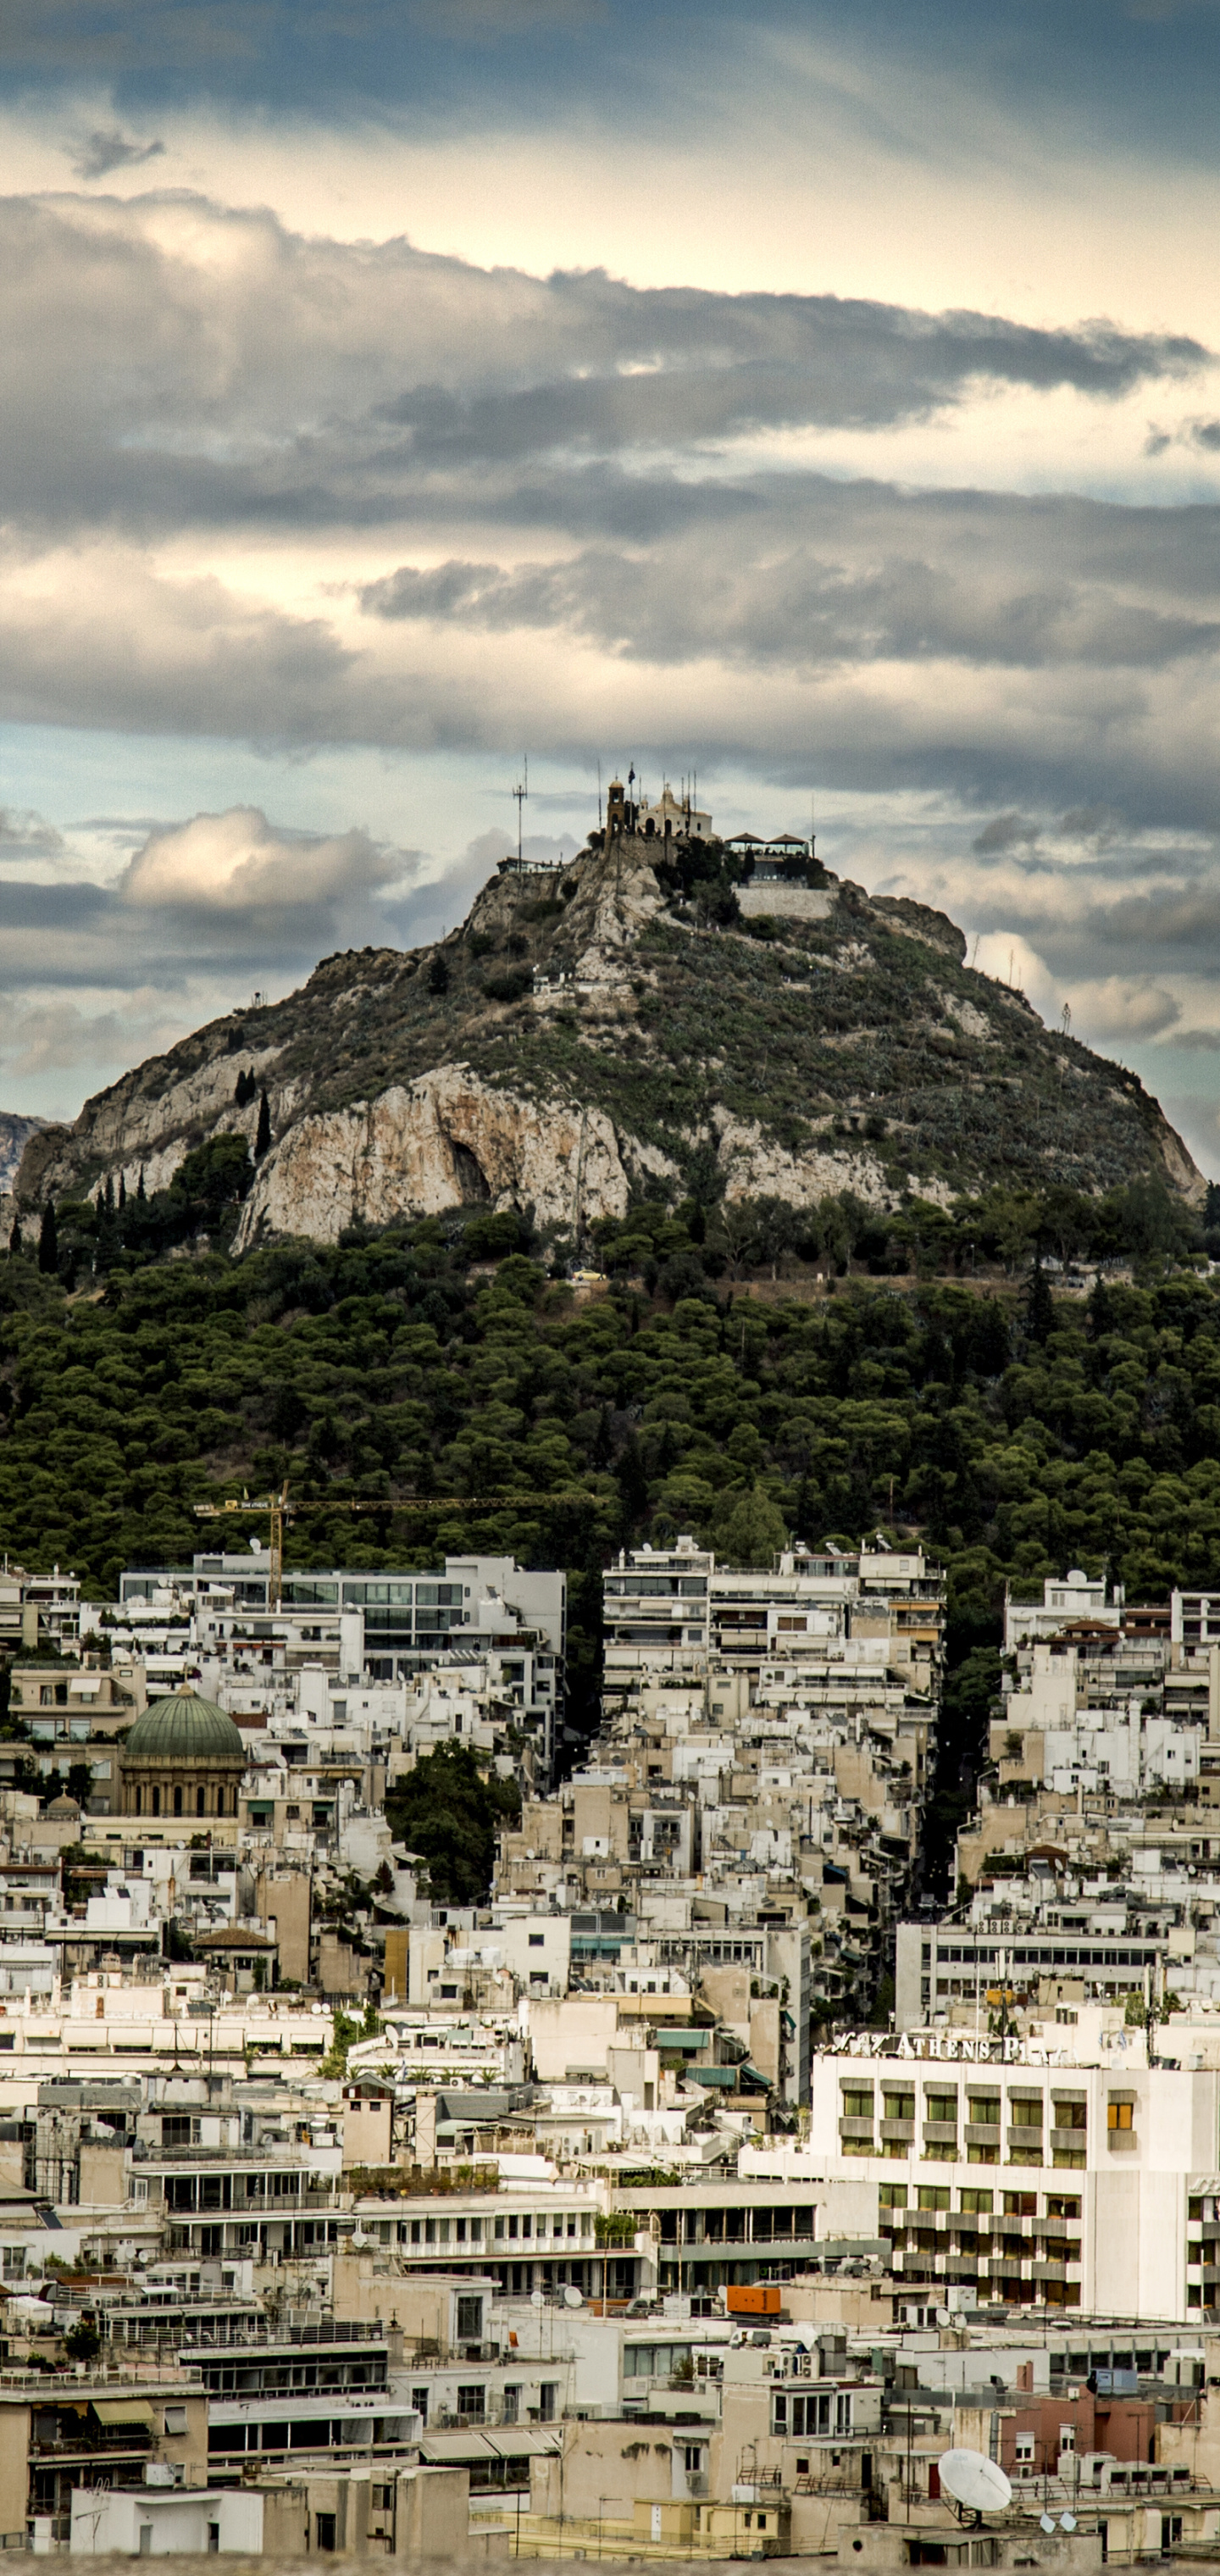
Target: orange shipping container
761,2300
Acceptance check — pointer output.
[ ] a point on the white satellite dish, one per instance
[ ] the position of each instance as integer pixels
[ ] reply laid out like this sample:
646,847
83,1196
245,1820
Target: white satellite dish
975,2483
1067,2521
944,2316
1046,2522
572,2299
536,2299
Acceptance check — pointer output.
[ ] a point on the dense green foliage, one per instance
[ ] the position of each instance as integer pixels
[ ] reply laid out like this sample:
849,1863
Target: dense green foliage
450,1813
1017,1441
1014,1439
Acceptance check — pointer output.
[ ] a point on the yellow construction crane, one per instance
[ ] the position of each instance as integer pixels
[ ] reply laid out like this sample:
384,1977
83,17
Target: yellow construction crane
279,1508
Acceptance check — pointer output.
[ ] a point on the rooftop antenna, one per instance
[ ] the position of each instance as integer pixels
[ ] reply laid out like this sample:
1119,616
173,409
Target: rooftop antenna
521,791
599,795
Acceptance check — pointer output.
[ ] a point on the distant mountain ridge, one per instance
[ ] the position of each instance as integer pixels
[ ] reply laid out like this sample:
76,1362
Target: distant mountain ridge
637,1021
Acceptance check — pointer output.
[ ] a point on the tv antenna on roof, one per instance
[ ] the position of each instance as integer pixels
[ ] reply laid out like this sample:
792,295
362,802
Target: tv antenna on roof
521,791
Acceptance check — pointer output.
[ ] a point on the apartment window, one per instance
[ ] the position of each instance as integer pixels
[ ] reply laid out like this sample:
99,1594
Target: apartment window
857,2105
512,2398
419,2400
983,2110
324,2530
803,2418
472,2403
1058,2207
470,2320
1024,2450
1025,2115
1120,2115
978,2202
547,2395
933,2195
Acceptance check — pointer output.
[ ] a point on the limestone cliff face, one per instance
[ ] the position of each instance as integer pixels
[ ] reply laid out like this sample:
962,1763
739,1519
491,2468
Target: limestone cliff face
448,1141
609,1029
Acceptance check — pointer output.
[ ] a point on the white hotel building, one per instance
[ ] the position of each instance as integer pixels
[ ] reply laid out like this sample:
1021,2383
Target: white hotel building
1001,2177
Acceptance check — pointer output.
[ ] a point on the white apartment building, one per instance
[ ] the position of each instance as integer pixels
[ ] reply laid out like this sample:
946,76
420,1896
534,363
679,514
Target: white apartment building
938,1965
670,1613
363,1627
1065,1598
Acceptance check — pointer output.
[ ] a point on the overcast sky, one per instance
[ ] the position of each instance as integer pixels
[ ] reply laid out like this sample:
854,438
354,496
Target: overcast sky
825,398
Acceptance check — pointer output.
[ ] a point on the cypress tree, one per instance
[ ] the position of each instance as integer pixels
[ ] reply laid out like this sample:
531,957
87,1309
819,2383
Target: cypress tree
15,1243
263,1135
1039,1307
122,1193
140,1192
48,1240
109,1195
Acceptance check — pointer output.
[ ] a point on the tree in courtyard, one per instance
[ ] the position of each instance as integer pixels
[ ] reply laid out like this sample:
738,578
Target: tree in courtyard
449,1813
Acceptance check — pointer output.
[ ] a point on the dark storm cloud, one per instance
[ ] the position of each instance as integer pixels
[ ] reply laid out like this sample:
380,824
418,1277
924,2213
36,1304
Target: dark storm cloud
802,605
1005,832
168,360
110,149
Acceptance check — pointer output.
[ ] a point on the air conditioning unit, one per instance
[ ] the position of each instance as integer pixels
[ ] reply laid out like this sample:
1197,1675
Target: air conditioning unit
160,2473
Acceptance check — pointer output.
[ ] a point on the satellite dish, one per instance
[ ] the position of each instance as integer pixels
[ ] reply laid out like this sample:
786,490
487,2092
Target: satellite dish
975,2483
536,2299
573,2299
944,2316
1067,2521
1046,2522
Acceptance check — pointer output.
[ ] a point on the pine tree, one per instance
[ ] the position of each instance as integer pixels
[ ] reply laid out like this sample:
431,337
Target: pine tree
122,1194
48,1240
15,1243
263,1135
438,976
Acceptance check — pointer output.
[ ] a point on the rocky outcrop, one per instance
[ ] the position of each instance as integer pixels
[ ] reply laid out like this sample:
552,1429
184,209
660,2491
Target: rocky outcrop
15,1134
149,1121
613,1029
446,1142
752,1166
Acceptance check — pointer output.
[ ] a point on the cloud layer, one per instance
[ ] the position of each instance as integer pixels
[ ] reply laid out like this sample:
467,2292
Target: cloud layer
274,491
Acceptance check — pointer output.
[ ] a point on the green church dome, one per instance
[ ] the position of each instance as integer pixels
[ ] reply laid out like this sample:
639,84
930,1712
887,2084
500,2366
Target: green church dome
184,1728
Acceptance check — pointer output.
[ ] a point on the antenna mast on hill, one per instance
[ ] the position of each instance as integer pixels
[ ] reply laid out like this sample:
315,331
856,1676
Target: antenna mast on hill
599,795
521,791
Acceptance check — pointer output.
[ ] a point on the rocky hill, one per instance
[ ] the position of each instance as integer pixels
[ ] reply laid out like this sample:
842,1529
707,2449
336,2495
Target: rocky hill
618,1026
15,1133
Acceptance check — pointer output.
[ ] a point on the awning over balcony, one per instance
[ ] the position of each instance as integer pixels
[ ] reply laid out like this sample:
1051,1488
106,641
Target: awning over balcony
513,2442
